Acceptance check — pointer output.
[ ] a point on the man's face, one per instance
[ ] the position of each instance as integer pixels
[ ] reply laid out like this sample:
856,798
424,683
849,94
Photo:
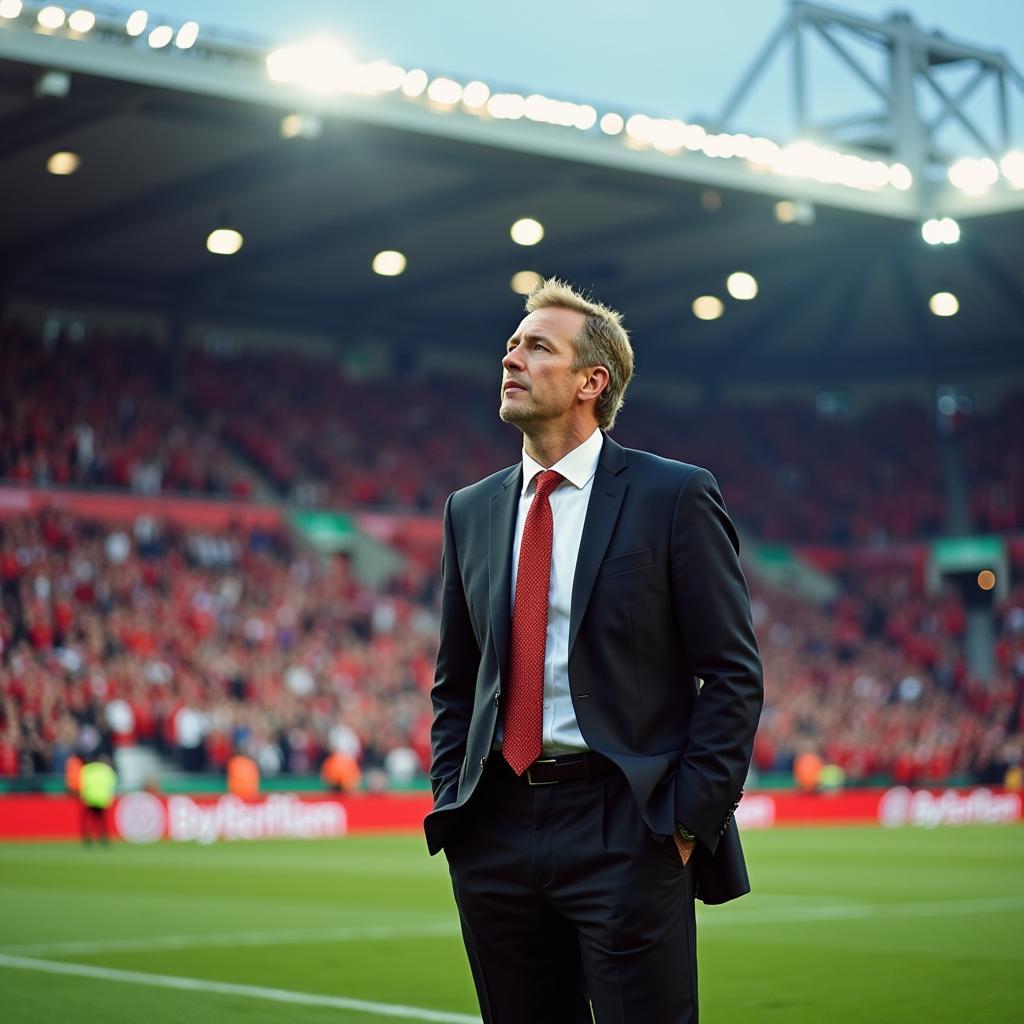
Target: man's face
537,380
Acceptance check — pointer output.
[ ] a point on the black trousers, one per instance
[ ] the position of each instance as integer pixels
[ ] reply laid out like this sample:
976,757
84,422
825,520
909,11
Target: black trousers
569,904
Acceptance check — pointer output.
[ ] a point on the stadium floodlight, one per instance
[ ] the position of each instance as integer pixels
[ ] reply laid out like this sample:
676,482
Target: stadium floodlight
527,231
445,91
322,66
940,231
612,124
136,23
224,241
187,35
301,126
741,285
974,176
161,36
10,9
81,21
524,281
586,117
708,307
1012,166
900,177
389,263
944,304
386,77
50,17
509,106
63,163
415,83
475,95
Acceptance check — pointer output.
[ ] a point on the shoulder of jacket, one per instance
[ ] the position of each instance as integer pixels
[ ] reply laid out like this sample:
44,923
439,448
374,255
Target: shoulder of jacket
482,490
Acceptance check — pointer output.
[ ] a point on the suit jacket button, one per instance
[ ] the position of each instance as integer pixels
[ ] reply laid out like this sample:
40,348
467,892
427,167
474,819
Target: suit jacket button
483,761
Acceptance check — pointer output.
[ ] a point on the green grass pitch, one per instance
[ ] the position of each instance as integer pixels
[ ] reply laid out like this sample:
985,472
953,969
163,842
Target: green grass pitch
845,925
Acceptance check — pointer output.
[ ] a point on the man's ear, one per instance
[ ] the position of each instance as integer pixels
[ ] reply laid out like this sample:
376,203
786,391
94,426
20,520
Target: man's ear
596,381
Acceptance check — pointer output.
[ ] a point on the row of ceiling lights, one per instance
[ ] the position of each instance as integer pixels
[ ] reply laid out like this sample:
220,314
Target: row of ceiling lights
527,231
323,66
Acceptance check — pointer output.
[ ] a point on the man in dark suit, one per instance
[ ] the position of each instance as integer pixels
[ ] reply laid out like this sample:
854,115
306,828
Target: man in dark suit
597,690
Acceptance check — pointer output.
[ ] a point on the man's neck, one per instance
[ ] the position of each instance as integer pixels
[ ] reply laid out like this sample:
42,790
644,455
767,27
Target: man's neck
549,447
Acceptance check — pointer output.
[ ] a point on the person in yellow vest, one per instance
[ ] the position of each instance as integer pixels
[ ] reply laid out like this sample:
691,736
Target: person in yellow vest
243,777
340,772
97,782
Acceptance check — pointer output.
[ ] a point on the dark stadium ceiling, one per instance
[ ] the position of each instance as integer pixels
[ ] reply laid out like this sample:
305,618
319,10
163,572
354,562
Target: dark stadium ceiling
843,298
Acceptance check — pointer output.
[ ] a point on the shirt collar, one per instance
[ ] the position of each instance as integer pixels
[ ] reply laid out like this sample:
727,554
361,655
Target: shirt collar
578,467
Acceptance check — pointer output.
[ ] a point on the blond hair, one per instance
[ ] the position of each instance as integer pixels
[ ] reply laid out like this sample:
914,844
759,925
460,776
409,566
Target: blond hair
602,342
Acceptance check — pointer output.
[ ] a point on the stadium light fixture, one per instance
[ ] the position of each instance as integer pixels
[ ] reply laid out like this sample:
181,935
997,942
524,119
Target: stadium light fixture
389,263
708,307
161,36
900,177
63,163
524,281
506,106
136,23
386,77
974,176
321,65
445,92
51,17
1012,166
10,9
224,241
301,126
944,304
415,83
527,231
741,285
187,35
940,231
612,123
475,95
81,21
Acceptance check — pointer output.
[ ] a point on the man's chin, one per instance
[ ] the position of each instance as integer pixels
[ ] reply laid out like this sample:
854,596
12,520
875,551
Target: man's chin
511,413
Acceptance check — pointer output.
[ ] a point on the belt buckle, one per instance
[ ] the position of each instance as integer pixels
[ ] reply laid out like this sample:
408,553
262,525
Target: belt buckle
529,777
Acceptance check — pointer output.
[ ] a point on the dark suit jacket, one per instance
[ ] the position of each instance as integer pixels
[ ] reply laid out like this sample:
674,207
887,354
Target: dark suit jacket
658,603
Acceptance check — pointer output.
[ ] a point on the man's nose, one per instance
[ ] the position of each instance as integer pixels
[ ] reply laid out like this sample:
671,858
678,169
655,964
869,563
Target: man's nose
512,358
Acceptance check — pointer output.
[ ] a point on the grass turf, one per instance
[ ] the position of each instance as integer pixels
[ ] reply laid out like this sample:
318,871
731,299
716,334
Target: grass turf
844,925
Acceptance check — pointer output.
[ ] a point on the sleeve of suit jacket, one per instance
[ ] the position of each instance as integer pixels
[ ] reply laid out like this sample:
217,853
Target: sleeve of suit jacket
713,609
458,659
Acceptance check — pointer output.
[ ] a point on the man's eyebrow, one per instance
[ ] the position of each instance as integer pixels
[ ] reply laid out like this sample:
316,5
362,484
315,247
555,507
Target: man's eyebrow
535,335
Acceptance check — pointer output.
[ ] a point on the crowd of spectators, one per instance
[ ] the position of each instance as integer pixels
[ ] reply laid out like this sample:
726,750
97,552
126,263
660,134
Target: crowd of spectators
103,411
202,644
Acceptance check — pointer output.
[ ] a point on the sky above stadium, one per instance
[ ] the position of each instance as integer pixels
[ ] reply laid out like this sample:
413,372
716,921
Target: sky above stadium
665,57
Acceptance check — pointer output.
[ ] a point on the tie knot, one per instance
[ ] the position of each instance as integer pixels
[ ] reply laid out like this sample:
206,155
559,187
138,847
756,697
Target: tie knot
547,482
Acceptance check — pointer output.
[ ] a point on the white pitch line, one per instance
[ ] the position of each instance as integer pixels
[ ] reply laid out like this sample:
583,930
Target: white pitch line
283,936
276,995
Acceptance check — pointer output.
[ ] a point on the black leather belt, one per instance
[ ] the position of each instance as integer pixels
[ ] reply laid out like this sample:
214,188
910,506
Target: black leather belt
547,771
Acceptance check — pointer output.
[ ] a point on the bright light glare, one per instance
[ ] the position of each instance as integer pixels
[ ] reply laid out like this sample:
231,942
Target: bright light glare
612,124
1012,166
527,231
944,231
10,8
708,307
63,163
389,263
415,83
224,241
900,177
445,91
50,17
741,285
161,36
136,23
187,35
475,95
321,65
974,176
81,21
944,304
524,281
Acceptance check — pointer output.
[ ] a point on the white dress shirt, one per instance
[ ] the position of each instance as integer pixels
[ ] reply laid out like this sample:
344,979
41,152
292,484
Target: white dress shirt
560,733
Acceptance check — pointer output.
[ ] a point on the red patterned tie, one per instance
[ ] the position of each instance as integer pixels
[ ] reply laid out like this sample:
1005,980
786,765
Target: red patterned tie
524,706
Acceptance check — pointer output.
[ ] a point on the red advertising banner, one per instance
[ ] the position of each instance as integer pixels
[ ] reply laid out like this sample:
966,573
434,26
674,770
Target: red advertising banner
145,818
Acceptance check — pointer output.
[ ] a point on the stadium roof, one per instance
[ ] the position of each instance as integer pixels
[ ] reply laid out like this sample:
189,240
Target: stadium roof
174,144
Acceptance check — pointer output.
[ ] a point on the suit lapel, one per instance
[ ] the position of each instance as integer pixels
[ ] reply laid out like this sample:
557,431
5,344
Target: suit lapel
610,484
504,506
